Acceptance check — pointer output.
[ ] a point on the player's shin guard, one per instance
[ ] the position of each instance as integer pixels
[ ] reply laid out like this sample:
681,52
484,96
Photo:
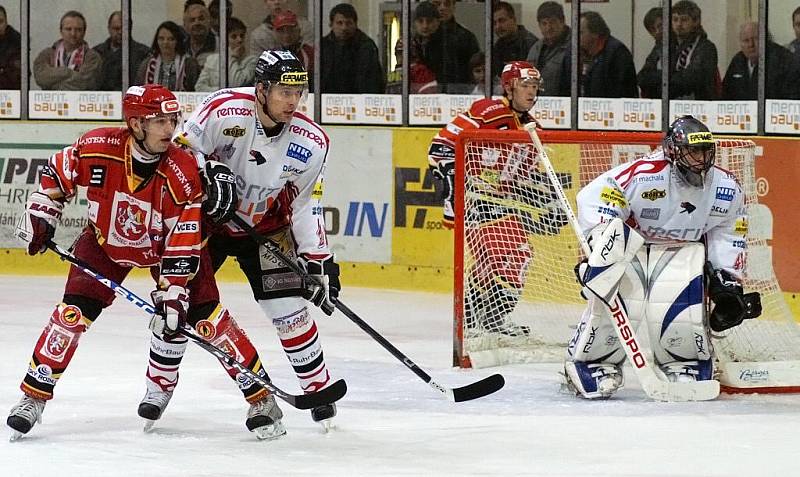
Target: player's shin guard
300,340
221,329
57,344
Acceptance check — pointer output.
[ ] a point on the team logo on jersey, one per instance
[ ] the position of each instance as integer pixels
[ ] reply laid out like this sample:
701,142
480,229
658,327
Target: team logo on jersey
654,194
650,213
296,151
613,196
687,207
725,193
70,315
257,157
235,131
130,221
206,329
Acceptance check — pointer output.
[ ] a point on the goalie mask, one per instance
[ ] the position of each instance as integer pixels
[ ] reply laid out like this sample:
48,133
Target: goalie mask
690,147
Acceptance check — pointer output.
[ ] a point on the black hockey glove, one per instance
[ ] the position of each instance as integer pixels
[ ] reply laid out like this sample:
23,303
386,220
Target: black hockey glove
444,171
327,273
731,304
221,198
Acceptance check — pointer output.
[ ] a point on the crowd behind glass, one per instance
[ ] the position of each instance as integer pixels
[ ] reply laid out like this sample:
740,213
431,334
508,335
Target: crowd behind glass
443,55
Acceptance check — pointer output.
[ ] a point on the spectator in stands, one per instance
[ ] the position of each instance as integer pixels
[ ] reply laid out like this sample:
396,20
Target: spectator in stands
10,48
213,10
693,58
741,79
607,69
111,52
427,37
68,65
168,64
477,65
421,78
350,61
649,77
263,36
458,46
794,45
241,66
547,54
200,40
513,42
287,31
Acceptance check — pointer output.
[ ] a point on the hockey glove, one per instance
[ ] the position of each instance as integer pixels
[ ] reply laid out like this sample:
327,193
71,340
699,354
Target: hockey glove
38,224
445,173
731,304
327,273
171,305
221,198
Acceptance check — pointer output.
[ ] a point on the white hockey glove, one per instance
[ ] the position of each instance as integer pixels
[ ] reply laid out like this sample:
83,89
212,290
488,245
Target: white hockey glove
445,173
38,224
171,305
221,199
613,250
327,272
731,304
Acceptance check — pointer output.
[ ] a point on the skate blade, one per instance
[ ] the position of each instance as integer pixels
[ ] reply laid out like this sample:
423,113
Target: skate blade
270,432
148,425
15,436
327,425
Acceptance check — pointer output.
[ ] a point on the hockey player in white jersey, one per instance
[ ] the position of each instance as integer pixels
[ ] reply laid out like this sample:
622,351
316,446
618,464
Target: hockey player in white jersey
666,230
277,156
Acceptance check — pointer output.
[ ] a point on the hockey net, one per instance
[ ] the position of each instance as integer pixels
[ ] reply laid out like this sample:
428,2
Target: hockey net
758,356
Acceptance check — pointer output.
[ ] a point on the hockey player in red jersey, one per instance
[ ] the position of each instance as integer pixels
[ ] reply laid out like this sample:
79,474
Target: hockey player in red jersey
278,157
497,279
144,196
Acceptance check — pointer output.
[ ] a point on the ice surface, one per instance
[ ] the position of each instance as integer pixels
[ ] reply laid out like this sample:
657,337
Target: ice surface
389,423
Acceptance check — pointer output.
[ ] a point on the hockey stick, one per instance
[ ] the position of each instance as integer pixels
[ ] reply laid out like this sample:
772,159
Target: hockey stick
654,387
475,390
327,395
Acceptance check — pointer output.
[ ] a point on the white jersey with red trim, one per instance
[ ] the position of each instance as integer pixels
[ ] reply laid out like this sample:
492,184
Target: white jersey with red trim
651,197
279,178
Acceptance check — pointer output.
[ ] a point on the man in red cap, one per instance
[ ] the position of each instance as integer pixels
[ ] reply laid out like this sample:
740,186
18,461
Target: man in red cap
287,31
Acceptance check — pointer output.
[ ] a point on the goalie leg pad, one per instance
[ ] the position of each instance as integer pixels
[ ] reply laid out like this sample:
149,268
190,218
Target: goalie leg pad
614,248
57,344
676,309
300,340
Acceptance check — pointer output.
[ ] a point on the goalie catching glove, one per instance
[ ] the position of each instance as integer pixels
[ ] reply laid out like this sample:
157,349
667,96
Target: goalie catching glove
444,171
38,224
221,199
171,307
731,304
324,293
613,248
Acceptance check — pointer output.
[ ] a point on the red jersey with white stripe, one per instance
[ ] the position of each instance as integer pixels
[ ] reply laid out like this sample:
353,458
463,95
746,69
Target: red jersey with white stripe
279,178
652,198
140,223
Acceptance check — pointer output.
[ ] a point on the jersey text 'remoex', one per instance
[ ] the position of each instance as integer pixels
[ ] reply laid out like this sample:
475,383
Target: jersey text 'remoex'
141,223
279,179
650,196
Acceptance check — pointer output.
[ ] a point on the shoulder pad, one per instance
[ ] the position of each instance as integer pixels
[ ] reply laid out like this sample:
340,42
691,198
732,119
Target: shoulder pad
182,174
488,109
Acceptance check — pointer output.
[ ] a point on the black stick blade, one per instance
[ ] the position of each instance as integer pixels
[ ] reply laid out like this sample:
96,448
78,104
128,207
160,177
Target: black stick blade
328,395
478,389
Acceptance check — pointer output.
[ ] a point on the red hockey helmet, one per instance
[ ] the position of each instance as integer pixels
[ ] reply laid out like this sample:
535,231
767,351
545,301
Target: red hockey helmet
519,70
149,101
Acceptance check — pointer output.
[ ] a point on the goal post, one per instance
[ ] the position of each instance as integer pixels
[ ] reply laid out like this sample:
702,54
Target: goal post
514,256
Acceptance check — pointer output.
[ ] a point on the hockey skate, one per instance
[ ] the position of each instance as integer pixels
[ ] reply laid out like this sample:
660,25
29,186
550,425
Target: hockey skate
24,415
592,381
324,416
152,407
681,372
264,418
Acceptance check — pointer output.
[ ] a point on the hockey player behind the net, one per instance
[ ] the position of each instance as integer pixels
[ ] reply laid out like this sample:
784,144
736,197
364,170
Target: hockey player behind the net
497,233
144,196
278,157
665,230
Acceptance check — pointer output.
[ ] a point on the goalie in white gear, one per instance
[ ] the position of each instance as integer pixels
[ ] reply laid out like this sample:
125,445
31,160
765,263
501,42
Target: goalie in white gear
665,230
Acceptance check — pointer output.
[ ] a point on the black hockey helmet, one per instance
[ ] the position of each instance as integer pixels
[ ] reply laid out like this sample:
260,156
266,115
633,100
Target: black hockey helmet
685,136
280,67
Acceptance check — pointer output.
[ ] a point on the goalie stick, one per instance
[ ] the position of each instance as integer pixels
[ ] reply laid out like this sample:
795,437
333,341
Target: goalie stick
469,392
653,386
327,395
